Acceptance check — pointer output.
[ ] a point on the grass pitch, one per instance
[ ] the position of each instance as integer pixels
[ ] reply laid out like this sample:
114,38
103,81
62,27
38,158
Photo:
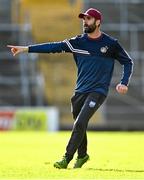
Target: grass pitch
30,155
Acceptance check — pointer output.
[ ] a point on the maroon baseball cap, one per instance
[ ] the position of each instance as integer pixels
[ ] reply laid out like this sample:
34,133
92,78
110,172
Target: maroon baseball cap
92,12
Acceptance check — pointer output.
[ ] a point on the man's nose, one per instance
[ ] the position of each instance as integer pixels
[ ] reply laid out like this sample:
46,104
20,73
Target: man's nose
84,22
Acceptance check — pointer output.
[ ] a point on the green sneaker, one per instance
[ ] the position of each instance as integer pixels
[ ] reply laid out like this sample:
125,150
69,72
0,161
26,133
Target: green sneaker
61,164
79,162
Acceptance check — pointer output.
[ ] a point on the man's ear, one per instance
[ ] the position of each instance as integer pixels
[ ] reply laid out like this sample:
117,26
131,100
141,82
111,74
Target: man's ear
97,22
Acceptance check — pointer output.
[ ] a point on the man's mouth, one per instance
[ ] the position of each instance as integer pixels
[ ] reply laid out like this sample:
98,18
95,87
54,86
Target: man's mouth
85,25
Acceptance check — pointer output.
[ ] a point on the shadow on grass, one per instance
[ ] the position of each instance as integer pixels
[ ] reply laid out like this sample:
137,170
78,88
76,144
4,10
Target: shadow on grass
116,170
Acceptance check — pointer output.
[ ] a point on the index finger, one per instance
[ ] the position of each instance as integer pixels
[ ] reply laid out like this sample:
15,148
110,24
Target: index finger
10,46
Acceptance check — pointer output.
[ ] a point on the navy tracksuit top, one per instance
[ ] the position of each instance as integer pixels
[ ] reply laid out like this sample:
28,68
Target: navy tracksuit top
94,59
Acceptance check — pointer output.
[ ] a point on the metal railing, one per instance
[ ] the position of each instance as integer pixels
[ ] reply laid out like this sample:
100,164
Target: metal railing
12,32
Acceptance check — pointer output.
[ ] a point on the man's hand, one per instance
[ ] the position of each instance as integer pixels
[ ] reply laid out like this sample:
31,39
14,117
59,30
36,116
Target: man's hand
17,49
121,88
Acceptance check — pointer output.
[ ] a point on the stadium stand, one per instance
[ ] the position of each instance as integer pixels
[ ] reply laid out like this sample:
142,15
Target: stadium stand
19,79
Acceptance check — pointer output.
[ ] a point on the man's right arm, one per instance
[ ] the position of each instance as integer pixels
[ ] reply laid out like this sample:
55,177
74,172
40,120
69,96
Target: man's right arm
52,47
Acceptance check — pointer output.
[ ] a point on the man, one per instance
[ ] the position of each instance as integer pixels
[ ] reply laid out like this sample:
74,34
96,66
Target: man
94,53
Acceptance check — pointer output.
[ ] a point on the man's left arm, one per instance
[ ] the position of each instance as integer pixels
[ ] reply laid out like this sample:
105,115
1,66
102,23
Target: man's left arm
125,60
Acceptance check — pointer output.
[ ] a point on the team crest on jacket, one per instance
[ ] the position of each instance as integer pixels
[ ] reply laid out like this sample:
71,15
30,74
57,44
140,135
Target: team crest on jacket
104,49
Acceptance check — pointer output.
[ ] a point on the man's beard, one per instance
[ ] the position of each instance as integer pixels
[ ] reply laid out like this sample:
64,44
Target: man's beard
89,29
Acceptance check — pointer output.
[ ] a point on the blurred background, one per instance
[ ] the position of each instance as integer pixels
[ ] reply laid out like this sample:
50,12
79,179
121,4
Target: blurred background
35,89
